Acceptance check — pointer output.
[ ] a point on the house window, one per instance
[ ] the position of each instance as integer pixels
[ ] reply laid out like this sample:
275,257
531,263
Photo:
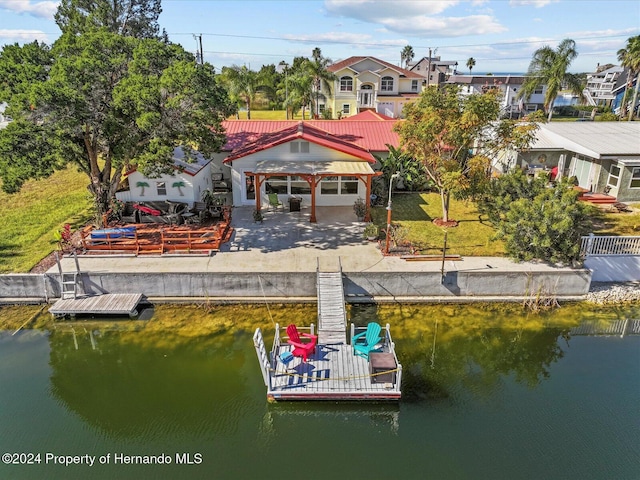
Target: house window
161,188
277,185
635,178
538,90
418,67
346,84
348,186
299,186
329,186
387,84
294,147
346,108
304,147
614,176
414,85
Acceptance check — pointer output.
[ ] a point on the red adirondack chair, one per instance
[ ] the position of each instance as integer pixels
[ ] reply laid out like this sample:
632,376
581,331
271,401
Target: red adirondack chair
300,348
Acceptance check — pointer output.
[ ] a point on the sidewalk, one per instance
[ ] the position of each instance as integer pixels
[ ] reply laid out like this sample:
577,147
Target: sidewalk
288,242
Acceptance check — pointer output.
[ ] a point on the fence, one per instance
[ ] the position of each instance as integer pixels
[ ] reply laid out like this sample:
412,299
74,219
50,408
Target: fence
608,245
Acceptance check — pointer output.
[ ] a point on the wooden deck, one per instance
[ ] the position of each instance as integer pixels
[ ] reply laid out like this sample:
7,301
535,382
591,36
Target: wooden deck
332,314
333,372
106,304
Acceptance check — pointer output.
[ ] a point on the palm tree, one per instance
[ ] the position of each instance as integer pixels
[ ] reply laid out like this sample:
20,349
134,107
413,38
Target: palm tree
242,84
406,55
300,92
322,78
630,58
549,67
471,62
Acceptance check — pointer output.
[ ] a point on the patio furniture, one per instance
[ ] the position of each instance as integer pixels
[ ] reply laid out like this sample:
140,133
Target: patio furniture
301,349
274,202
366,342
294,204
129,214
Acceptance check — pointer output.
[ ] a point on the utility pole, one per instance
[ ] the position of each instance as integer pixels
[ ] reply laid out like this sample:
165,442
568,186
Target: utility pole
429,68
199,54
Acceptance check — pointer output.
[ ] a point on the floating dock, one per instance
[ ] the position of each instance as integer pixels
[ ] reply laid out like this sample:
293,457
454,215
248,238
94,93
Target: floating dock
105,304
332,372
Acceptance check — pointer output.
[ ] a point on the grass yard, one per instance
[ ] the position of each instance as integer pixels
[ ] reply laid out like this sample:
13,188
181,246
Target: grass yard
416,211
618,223
31,216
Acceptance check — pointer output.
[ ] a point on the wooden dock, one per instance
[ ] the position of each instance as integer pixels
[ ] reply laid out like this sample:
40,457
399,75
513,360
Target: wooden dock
333,372
105,304
332,313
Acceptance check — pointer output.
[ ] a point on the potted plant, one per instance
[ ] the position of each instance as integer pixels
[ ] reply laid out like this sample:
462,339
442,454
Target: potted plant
370,232
360,208
257,216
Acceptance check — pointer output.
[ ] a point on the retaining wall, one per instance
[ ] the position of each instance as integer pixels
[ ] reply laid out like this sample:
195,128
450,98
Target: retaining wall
614,268
282,285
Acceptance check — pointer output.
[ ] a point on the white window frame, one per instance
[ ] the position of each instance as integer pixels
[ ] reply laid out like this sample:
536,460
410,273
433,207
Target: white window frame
346,108
613,176
161,189
386,84
346,83
539,90
635,177
414,85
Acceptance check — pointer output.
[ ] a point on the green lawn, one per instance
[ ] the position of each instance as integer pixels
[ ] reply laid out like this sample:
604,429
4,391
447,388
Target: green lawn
416,211
30,218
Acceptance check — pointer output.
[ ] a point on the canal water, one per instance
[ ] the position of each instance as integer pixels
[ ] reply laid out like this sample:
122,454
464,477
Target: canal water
489,391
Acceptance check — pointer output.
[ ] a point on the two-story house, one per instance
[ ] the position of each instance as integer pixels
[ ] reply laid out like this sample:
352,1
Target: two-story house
367,83
509,87
435,70
601,86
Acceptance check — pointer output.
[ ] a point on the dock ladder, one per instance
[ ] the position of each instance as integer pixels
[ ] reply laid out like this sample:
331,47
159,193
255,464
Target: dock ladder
68,280
332,313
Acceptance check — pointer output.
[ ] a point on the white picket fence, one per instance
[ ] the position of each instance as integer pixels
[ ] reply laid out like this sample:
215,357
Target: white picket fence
609,245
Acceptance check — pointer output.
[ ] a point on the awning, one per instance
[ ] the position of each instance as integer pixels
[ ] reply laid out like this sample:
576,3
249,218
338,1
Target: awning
275,167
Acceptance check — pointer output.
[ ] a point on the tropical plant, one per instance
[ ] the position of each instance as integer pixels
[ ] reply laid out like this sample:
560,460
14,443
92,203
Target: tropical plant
406,55
322,79
454,138
547,227
108,101
411,173
300,93
179,185
242,84
550,67
471,62
630,58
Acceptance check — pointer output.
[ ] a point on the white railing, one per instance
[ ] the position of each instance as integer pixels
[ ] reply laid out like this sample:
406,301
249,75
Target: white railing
609,245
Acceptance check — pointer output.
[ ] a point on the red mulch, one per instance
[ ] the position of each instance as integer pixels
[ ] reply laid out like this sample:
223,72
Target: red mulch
440,223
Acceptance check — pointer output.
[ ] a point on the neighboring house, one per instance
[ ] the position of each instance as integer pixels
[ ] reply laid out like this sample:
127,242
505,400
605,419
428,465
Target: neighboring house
603,156
508,85
601,86
436,71
367,83
325,163
186,185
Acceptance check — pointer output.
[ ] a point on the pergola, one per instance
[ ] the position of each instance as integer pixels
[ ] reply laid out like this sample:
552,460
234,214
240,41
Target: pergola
313,172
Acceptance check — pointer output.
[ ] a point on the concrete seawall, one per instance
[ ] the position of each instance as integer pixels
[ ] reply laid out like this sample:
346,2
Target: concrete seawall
301,286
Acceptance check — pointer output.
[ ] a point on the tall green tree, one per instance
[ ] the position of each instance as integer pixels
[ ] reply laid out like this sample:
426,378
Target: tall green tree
406,55
550,67
630,58
471,62
107,103
322,78
133,18
455,136
242,83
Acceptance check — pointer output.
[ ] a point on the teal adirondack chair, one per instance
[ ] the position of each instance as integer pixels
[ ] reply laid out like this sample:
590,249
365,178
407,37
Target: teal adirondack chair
365,342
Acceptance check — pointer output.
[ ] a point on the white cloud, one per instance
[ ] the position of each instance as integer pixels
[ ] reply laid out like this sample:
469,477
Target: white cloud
356,39
535,3
21,36
374,10
45,9
445,26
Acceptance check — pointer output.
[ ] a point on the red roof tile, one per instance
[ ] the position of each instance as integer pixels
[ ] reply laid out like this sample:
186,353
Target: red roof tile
351,60
302,131
371,135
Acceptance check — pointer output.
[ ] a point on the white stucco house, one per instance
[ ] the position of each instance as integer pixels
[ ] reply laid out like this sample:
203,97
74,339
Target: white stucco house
186,184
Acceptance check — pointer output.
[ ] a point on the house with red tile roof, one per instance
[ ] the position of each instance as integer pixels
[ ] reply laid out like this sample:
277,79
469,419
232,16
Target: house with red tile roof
367,83
324,163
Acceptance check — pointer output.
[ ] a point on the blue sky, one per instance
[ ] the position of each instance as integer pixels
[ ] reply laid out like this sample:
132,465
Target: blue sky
501,35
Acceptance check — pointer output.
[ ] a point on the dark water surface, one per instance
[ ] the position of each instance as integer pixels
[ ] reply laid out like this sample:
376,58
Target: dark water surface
487,393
